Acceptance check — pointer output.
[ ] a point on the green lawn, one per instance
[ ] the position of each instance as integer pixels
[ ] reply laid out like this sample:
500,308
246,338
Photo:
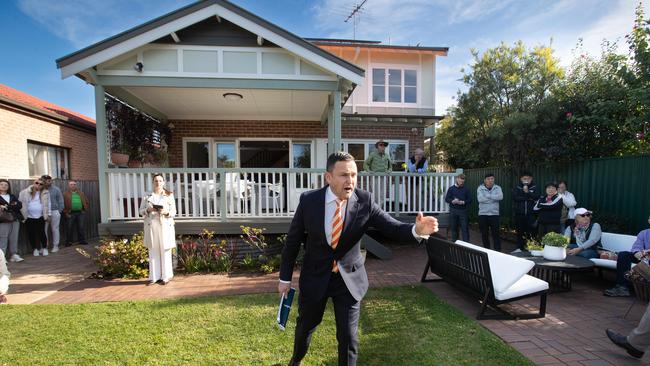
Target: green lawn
399,326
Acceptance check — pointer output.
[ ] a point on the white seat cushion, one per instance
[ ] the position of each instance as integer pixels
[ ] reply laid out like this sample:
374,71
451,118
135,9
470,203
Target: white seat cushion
617,242
526,285
604,263
506,269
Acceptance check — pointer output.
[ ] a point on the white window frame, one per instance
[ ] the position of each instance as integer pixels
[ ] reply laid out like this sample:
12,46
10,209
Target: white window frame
65,150
367,142
402,67
210,142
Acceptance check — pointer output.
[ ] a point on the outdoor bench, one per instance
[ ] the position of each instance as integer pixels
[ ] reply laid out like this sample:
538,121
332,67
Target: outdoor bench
614,243
470,268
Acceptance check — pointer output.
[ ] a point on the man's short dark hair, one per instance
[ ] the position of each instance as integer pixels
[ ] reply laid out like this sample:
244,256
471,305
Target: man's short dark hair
525,174
488,175
336,157
46,177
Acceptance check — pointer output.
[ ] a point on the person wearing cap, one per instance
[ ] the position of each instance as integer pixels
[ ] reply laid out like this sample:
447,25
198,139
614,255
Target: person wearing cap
524,195
378,161
459,198
584,235
640,249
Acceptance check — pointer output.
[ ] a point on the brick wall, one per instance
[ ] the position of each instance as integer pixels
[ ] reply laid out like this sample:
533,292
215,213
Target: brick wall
17,128
282,129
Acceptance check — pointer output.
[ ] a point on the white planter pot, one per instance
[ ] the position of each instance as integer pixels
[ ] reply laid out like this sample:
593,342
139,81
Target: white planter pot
554,253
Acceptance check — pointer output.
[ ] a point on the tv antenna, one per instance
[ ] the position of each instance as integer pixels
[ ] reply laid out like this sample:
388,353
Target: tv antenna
354,15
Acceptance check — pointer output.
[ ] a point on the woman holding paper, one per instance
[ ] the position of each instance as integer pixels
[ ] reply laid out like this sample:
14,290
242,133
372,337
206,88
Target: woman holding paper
159,209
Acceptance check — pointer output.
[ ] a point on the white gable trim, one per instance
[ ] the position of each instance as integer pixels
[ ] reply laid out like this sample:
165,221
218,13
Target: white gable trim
183,22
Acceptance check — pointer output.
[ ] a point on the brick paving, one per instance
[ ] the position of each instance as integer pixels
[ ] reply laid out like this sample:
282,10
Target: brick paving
571,334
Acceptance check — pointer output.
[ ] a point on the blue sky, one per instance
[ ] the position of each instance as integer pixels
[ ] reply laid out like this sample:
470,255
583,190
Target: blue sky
36,32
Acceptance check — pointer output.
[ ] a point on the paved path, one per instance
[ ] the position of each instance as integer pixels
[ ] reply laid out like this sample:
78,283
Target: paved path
571,334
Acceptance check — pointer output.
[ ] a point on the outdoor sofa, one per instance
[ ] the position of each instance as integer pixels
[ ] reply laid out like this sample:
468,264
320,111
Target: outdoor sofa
614,243
494,278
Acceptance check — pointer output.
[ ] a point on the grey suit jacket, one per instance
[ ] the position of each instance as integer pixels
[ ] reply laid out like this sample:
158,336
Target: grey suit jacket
308,229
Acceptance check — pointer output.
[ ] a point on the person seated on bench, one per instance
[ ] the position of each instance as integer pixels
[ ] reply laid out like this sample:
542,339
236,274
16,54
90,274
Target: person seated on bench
584,235
640,249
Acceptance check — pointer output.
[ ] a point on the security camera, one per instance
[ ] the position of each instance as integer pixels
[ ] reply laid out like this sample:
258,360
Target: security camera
138,66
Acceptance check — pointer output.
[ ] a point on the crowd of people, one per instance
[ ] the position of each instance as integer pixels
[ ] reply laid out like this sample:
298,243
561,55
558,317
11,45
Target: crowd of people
40,207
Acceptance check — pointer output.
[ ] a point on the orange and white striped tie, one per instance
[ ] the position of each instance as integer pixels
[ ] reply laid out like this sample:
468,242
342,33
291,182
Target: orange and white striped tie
337,228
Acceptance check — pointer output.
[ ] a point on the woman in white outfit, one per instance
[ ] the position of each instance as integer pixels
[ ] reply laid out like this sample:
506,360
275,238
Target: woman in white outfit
36,211
4,278
159,209
569,209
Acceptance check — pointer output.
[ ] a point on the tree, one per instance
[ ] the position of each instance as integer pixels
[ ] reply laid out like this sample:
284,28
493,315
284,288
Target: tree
495,121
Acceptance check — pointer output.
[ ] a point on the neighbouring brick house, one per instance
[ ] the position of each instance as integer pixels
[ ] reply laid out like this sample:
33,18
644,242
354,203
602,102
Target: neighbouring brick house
254,112
42,138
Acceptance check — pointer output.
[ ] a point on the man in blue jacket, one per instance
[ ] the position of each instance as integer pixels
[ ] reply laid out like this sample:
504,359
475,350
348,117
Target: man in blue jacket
459,198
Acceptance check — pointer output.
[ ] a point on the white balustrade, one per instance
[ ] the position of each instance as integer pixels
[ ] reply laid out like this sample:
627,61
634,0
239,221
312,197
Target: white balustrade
250,193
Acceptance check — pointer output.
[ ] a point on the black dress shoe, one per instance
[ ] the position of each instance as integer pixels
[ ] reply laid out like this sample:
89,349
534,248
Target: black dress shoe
621,341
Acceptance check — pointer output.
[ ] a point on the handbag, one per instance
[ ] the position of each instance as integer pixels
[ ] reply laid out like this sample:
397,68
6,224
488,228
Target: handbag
7,216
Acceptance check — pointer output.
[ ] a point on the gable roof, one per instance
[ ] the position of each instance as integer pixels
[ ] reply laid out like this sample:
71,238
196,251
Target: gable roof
30,103
145,33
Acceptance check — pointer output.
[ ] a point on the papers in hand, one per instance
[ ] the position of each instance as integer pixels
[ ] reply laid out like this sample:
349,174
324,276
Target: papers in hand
284,308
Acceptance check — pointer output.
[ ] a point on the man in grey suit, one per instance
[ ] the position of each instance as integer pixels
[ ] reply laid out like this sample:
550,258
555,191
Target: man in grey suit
330,222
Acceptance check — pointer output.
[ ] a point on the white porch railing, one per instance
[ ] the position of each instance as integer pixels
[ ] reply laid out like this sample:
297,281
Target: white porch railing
257,193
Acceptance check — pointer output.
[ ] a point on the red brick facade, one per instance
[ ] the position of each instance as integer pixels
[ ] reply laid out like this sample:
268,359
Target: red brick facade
18,127
282,129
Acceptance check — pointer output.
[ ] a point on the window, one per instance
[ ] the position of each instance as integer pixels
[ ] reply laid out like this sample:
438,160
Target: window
360,149
302,155
197,154
225,154
394,85
51,160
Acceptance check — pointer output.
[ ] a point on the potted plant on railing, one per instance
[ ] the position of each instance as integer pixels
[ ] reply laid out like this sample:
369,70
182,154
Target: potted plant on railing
120,155
554,246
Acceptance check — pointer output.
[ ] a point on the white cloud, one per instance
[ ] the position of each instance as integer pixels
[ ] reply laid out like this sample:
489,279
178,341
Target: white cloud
84,22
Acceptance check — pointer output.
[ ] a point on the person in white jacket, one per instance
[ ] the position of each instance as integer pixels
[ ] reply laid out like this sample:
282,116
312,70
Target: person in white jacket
489,195
569,209
4,278
159,209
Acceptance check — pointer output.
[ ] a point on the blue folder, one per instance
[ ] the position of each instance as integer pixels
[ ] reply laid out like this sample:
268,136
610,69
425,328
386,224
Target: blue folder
285,308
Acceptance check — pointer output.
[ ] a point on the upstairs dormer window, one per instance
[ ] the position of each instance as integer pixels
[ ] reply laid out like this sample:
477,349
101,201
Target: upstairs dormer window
394,86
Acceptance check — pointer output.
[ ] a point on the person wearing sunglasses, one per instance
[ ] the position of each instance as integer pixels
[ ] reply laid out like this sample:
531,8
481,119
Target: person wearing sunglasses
584,235
640,249
36,211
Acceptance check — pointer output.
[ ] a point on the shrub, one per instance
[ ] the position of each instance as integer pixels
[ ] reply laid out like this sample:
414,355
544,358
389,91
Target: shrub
122,258
555,240
205,254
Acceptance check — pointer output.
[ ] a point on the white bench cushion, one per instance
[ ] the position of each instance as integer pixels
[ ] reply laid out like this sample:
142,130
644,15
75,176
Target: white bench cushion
617,242
527,284
506,269
604,263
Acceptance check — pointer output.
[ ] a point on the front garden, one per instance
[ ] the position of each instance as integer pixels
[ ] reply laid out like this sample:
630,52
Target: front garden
399,326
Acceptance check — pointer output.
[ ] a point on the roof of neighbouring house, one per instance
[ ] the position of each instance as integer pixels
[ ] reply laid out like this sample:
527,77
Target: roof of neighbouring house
24,101
372,44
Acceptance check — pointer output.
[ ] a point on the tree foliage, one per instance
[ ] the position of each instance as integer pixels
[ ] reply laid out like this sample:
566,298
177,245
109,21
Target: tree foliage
522,108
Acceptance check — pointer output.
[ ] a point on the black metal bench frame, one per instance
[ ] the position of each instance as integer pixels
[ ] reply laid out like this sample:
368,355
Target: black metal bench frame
469,270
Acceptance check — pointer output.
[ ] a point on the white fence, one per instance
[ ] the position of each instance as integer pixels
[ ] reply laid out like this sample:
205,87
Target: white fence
257,193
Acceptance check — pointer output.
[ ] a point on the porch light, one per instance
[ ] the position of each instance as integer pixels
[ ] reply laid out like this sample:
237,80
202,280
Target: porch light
233,96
